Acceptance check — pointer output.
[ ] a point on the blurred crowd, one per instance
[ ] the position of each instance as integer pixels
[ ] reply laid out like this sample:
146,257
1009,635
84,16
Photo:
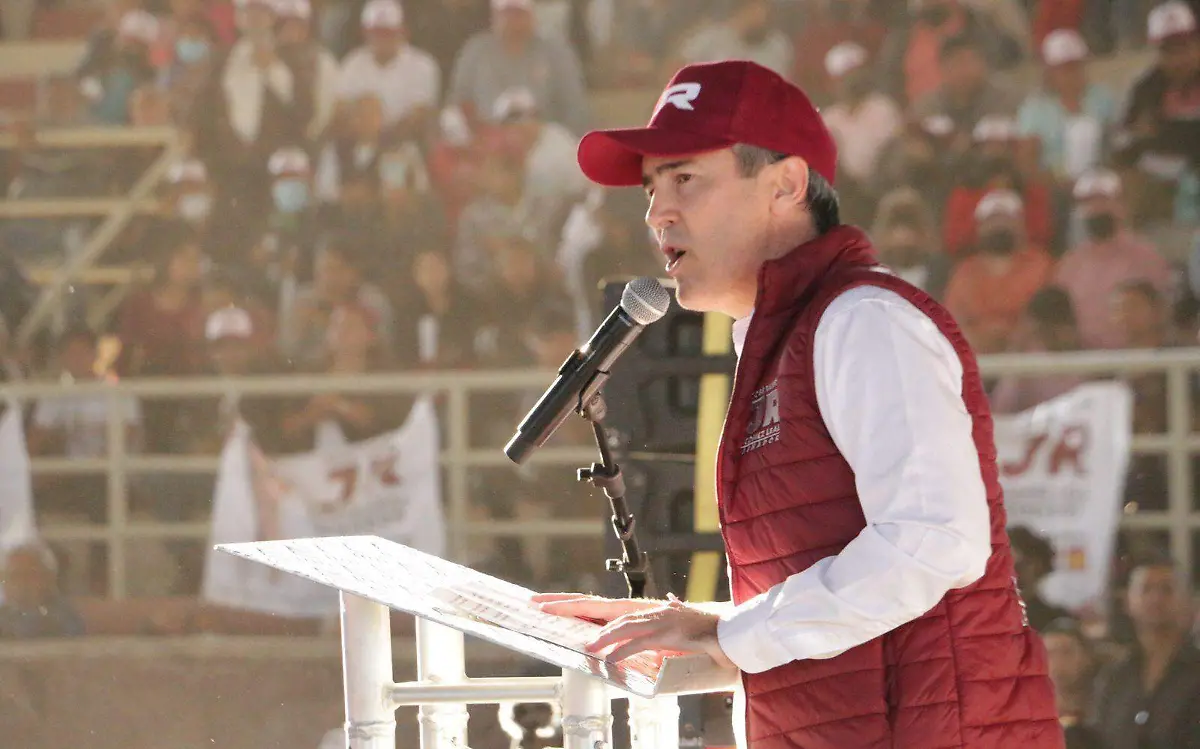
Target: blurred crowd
374,185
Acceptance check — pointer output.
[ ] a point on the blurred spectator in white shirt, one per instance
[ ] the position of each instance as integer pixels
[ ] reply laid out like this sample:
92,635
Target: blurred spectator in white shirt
746,34
553,180
406,79
314,61
861,119
512,55
1070,118
256,103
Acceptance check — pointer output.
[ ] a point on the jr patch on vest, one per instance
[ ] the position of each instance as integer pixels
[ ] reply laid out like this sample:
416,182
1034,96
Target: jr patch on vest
763,428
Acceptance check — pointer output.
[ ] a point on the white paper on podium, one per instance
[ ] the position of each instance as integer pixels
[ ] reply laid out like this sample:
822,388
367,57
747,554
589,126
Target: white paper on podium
481,605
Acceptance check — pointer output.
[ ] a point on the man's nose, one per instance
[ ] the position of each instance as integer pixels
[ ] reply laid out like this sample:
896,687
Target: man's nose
660,214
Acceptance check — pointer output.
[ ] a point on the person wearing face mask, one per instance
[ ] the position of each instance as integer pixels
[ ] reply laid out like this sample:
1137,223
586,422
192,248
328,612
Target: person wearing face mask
1109,255
746,34
293,217
989,165
912,62
861,119
190,193
256,102
989,290
192,61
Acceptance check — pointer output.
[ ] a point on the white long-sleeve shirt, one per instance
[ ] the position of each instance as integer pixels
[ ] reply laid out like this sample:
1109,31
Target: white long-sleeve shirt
889,389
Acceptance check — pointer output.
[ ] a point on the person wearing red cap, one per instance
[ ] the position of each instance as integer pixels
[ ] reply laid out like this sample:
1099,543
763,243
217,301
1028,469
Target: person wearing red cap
874,602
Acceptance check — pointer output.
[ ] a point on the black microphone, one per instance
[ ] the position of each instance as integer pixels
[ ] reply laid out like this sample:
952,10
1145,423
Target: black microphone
643,301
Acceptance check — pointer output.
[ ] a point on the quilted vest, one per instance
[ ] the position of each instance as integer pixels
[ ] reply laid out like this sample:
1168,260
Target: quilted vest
968,673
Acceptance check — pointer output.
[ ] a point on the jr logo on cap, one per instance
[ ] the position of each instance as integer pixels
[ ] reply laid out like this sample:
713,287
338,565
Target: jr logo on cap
681,96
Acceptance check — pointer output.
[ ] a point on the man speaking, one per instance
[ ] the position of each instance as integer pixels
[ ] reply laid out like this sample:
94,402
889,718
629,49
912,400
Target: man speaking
874,599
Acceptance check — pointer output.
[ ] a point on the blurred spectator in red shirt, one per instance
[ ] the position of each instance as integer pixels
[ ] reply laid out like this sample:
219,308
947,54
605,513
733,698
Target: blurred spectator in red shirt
160,326
992,165
989,290
1048,325
1111,255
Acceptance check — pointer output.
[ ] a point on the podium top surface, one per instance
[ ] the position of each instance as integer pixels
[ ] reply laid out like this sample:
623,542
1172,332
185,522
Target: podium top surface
500,612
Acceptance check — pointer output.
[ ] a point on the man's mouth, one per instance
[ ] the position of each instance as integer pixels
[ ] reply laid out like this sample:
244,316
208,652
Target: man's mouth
674,255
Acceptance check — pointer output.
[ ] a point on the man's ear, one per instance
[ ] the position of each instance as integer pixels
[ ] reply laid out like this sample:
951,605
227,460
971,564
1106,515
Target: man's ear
790,184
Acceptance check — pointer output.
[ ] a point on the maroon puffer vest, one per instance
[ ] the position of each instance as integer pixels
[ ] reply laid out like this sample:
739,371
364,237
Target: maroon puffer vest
970,672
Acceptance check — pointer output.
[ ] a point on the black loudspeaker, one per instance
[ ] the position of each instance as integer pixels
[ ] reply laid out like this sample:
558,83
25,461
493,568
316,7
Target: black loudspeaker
654,391
653,400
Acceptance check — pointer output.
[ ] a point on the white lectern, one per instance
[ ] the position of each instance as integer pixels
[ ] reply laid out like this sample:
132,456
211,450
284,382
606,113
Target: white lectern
372,574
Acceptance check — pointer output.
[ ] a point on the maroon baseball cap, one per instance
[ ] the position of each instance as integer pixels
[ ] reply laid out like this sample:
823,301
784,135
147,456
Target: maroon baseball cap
711,106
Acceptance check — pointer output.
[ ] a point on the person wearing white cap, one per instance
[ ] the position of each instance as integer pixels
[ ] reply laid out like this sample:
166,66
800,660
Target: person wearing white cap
111,72
552,180
989,290
862,119
190,192
295,33
1110,254
1069,116
1161,123
406,79
991,164
511,54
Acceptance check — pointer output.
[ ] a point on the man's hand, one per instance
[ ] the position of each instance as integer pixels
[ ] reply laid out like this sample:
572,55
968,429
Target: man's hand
637,626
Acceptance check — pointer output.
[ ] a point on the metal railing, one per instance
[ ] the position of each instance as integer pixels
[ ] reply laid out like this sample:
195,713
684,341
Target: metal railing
114,213
1180,521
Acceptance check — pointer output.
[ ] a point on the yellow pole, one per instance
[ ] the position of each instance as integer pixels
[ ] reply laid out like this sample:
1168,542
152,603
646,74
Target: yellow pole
713,401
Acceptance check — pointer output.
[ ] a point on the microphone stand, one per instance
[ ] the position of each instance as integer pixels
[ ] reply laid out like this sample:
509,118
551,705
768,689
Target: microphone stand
606,476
